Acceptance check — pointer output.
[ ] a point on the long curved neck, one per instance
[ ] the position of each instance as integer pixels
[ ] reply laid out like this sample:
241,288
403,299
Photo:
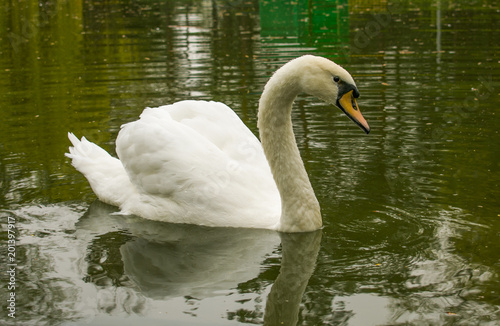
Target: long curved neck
300,209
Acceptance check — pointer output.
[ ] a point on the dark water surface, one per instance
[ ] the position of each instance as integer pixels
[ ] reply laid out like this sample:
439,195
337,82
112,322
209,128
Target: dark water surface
411,211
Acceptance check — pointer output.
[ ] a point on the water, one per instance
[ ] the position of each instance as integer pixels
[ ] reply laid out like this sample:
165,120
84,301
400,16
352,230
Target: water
411,211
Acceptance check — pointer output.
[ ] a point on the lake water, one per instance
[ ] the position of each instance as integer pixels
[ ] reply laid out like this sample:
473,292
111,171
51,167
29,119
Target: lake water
411,211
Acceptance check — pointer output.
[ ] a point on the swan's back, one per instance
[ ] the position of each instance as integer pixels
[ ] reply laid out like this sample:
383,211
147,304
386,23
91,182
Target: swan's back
196,162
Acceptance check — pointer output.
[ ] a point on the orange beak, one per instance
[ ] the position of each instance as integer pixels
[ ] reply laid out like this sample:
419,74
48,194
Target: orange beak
347,103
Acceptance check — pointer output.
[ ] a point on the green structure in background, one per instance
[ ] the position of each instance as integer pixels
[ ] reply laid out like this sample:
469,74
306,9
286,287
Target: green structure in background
310,23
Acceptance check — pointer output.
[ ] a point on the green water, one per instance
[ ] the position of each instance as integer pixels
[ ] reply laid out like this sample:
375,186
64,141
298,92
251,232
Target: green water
411,211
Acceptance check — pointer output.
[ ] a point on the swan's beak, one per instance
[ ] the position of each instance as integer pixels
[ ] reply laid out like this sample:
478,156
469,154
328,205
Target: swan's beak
347,103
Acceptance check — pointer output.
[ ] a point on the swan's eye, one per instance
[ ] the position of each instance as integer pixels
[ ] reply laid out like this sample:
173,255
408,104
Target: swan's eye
336,79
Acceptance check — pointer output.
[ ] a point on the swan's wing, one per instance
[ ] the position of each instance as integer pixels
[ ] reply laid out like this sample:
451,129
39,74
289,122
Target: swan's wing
197,155
219,125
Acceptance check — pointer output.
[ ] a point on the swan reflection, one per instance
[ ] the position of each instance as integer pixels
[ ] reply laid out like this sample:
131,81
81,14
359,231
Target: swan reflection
299,253
162,261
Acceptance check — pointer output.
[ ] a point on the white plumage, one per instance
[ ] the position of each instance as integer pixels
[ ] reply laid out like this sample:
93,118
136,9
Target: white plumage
190,162
196,162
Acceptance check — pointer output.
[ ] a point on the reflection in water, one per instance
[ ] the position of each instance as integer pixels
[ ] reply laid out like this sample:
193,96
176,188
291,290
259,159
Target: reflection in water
133,266
113,266
299,253
304,25
195,261
167,260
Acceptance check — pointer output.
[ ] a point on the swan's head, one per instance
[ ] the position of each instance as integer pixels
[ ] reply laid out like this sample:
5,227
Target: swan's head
330,82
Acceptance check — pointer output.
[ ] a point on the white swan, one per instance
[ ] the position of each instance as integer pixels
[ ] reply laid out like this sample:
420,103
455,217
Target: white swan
196,162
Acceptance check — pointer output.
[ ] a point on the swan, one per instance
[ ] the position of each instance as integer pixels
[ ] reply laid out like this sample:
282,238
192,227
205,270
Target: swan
196,162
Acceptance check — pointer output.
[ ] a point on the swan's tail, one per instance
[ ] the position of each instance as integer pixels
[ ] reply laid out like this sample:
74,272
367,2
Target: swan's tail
106,174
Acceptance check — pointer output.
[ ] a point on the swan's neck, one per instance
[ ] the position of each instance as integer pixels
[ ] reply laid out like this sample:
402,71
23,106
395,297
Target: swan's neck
300,209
